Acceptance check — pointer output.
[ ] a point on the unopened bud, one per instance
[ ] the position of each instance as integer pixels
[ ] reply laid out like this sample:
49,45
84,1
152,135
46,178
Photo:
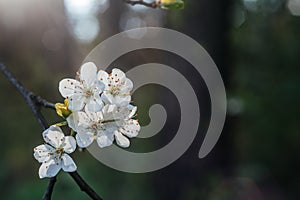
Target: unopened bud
170,4
62,109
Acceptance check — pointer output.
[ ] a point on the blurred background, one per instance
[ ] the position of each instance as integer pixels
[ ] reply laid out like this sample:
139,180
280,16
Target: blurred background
255,44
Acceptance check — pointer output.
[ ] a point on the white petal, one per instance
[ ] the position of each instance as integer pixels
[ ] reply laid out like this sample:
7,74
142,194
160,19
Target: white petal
117,73
126,86
100,115
83,120
121,113
76,102
78,121
67,163
97,87
69,144
102,76
88,73
104,139
73,121
118,100
84,139
110,108
131,128
108,111
49,169
67,87
92,117
53,136
132,109
111,112
42,152
123,100
121,140
95,104
113,116
110,127
107,97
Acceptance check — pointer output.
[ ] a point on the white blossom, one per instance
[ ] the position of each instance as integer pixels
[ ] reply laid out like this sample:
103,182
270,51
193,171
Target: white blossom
112,122
85,92
117,87
129,128
54,154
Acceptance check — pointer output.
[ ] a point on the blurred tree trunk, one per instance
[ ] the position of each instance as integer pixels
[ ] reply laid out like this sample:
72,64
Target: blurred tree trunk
206,21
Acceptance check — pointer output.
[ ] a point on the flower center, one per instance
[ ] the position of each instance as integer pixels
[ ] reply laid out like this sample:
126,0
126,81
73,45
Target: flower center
115,90
94,126
88,93
59,151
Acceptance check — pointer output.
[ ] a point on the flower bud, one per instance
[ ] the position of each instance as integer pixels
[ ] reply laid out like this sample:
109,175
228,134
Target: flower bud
170,4
62,109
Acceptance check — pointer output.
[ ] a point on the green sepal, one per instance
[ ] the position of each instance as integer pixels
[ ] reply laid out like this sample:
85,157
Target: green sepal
73,133
64,123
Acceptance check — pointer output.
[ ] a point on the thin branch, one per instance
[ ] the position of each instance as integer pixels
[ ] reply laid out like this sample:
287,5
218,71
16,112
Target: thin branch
49,189
42,102
35,104
141,2
84,186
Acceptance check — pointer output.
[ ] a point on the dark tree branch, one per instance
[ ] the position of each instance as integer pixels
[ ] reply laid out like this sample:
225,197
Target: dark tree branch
141,2
49,189
35,104
84,186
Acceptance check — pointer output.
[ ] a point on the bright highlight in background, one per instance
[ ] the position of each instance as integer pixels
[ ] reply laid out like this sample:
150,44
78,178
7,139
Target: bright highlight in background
83,17
294,7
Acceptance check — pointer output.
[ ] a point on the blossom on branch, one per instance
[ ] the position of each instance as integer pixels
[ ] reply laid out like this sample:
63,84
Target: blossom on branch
112,122
96,108
117,87
85,92
54,154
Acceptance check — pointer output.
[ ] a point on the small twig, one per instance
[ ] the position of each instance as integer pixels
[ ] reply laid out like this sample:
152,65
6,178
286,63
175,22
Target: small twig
42,102
35,103
141,2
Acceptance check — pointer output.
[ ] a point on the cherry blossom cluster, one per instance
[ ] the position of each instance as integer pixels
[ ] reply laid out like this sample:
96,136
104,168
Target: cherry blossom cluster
97,109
